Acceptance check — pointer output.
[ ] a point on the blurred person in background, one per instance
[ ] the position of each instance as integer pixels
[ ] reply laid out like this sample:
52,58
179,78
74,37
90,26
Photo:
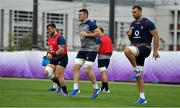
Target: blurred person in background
105,50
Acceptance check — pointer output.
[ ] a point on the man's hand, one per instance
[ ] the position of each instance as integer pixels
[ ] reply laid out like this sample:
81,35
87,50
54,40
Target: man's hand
129,32
49,56
156,55
83,33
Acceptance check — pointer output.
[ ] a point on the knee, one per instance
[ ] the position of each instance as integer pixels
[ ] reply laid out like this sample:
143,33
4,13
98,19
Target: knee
87,69
49,72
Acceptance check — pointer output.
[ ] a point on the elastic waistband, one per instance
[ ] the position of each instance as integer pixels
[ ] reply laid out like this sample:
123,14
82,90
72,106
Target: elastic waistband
54,55
142,44
105,54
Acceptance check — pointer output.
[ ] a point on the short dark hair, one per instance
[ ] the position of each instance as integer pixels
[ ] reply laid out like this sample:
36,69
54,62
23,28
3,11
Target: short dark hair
51,25
84,11
102,30
137,6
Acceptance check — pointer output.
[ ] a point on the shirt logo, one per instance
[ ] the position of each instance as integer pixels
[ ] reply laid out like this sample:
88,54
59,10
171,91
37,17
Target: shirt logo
50,48
136,33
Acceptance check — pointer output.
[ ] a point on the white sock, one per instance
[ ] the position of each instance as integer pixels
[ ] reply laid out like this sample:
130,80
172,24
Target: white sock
95,86
142,95
54,85
76,86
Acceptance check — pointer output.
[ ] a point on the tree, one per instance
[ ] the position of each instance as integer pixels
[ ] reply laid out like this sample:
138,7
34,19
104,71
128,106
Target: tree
25,43
41,42
11,42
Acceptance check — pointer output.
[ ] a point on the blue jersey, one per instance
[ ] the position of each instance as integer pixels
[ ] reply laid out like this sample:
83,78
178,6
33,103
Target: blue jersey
141,32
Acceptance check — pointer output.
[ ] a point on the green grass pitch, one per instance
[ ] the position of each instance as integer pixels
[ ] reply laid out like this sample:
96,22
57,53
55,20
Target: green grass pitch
33,93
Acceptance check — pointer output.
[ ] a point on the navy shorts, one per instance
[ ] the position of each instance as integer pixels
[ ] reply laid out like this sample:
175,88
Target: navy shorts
104,60
87,55
62,61
144,52
103,63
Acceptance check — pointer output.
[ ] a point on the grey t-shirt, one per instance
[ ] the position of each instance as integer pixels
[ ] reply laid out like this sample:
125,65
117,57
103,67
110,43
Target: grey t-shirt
88,43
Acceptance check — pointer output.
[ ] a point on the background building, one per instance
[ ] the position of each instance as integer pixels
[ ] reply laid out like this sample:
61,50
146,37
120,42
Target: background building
16,20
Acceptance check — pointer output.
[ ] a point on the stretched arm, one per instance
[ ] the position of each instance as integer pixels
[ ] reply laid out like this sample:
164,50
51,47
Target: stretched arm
156,43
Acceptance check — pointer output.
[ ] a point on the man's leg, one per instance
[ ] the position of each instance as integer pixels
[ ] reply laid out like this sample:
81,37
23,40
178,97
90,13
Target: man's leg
139,80
76,69
49,72
105,86
59,73
102,65
91,75
140,85
131,53
144,52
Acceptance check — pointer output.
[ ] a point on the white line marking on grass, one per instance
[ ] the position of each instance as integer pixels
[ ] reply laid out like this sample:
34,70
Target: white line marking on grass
131,83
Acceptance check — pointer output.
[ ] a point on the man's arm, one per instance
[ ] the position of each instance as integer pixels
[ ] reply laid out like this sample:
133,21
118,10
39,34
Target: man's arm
61,45
156,43
98,43
95,33
60,50
129,32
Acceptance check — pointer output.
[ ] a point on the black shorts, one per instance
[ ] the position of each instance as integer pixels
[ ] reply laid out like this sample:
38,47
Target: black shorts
144,52
62,61
87,55
103,63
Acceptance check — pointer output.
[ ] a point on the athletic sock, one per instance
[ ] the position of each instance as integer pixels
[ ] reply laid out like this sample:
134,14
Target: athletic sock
102,86
142,95
64,88
54,85
55,81
95,86
105,85
76,86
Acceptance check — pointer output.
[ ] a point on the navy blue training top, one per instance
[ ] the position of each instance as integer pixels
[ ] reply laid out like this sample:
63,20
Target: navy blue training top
141,32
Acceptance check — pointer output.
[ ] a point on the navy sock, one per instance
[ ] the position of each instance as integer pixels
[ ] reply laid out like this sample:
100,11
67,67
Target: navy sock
64,88
55,80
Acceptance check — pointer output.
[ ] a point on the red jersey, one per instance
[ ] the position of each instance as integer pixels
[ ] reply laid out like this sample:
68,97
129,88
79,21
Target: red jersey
53,45
106,45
